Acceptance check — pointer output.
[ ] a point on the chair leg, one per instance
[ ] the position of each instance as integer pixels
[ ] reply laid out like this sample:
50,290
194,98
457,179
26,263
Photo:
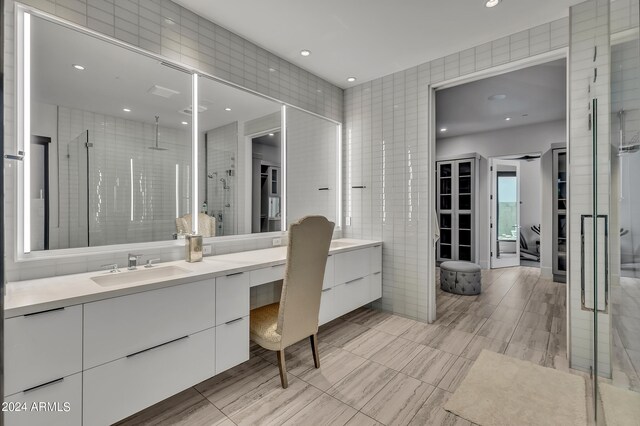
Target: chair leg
283,369
314,348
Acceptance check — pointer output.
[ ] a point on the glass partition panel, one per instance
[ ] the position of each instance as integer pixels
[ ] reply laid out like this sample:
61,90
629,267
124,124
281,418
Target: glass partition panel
116,125
312,166
240,171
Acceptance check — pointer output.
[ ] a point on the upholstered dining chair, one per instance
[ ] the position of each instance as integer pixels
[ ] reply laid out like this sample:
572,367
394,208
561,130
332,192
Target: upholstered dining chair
280,325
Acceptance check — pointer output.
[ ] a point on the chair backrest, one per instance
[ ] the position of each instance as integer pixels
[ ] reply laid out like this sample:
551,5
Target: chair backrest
206,224
307,252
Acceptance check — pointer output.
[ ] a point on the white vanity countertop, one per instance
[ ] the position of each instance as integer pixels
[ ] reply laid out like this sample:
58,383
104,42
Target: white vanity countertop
30,296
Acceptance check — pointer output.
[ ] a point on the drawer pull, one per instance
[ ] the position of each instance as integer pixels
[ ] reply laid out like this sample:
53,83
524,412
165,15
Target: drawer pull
232,321
379,245
359,187
276,266
44,312
43,385
377,273
326,289
235,273
156,346
353,281
323,189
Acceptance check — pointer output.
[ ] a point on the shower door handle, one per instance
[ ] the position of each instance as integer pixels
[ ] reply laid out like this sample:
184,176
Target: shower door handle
587,249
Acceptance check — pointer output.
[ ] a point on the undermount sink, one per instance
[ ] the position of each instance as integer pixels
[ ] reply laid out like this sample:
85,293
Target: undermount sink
130,277
339,244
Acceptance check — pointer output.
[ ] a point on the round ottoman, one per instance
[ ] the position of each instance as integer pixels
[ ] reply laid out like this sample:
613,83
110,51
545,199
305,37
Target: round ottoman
460,277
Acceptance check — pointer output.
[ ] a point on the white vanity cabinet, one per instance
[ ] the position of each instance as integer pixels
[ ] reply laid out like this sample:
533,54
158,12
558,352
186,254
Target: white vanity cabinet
356,279
232,320
111,357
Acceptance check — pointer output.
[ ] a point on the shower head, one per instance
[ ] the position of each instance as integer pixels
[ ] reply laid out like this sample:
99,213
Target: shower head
156,147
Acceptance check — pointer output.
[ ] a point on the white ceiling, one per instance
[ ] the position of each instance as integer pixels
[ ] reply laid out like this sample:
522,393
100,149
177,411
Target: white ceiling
533,95
115,78
368,39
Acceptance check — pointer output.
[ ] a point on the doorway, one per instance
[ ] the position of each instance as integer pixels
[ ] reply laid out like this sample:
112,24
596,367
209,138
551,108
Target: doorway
505,213
266,182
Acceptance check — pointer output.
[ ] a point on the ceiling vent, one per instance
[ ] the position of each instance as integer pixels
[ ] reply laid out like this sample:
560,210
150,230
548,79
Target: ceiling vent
162,91
189,110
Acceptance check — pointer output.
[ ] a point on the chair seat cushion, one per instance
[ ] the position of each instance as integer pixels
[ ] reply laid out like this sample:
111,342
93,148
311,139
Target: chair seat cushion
263,323
460,266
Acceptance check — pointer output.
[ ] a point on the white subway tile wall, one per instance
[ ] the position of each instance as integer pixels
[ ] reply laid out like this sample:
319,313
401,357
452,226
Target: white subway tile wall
386,149
222,198
164,28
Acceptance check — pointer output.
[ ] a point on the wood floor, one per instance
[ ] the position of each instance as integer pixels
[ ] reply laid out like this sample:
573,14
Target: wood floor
378,368
626,333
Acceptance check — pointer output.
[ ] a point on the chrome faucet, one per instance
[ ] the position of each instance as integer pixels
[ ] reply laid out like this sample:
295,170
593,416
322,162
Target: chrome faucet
113,267
150,262
133,261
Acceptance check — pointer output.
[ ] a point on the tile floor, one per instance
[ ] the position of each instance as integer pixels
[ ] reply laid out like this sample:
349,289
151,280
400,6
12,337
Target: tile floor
626,333
378,368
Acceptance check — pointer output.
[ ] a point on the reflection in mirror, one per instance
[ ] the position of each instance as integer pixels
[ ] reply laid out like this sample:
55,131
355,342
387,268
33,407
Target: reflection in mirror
240,182
111,142
312,173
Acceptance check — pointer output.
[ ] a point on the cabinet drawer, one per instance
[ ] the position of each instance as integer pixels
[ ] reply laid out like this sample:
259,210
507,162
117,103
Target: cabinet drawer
42,347
351,265
118,327
267,275
376,258
123,387
232,344
64,399
328,306
354,294
232,297
375,285
329,272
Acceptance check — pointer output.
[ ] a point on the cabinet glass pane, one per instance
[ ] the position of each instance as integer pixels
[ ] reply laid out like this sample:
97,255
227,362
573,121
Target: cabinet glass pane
464,202
446,170
445,221
464,221
445,202
464,237
445,186
562,226
465,185
562,195
464,169
445,251
445,236
562,167
562,263
464,253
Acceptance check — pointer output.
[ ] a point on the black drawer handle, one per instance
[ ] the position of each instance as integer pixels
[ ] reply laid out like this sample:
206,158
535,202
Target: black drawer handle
353,281
377,273
44,312
156,346
235,273
326,289
275,266
323,189
232,321
359,187
43,385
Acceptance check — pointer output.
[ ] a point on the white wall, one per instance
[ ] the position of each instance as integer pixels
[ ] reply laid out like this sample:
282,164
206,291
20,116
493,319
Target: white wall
534,138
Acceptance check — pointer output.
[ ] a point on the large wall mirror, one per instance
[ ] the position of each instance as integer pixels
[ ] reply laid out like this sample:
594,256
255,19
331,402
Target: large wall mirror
110,147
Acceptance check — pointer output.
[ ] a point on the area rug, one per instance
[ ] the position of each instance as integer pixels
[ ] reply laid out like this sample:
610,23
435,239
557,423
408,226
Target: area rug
500,390
621,406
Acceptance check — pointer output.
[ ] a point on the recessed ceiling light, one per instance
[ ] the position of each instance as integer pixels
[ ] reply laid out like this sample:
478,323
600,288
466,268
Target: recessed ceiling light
169,21
305,52
351,79
508,119
492,3
444,129
272,70
126,109
78,67
499,97
227,109
270,134
185,123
